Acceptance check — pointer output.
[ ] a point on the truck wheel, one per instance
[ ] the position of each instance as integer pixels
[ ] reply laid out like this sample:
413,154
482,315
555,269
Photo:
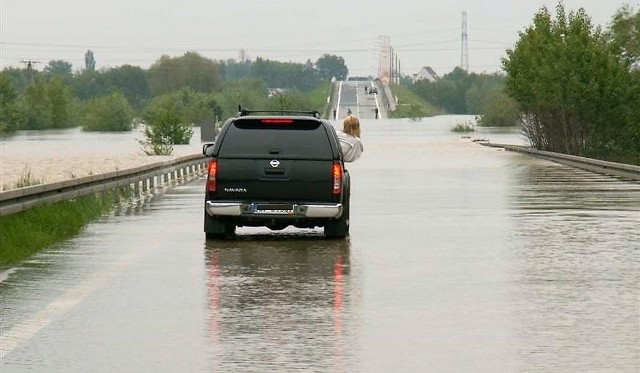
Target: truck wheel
216,229
339,228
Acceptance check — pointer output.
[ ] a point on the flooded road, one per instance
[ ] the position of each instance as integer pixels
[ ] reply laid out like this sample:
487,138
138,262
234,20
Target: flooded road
461,258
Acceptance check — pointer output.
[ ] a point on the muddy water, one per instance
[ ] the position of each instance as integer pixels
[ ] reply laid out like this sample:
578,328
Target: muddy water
55,155
461,258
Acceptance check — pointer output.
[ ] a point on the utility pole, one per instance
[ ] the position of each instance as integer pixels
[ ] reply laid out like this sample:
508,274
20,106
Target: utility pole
391,64
464,51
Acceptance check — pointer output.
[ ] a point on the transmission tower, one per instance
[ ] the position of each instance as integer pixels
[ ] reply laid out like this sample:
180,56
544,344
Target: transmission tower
464,50
29,64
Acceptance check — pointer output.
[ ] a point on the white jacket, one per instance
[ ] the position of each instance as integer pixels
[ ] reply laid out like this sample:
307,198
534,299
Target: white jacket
351,146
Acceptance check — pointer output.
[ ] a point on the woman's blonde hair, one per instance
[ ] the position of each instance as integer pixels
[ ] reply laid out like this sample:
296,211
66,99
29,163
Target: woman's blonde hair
351,126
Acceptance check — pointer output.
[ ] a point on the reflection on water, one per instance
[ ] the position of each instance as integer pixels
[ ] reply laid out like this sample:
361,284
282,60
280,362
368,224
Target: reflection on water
575,270
278,301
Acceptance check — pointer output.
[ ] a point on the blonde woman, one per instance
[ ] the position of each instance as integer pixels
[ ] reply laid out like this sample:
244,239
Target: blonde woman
350,139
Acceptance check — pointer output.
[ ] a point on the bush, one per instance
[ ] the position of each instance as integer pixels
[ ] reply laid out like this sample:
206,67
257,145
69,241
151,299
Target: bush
47,104
164,128
168,121
501,111
108,113
466,126
248,93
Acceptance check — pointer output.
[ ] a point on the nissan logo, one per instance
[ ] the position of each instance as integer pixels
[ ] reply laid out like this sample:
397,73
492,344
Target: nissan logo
274,163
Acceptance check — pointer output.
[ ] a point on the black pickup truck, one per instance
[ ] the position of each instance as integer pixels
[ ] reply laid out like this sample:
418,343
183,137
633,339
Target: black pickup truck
274,170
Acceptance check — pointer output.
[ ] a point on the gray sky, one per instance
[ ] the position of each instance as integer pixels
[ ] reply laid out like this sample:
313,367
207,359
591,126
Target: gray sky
138,32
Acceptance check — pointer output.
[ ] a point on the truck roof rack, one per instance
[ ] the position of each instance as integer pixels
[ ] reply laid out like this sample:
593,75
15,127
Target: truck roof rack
245,112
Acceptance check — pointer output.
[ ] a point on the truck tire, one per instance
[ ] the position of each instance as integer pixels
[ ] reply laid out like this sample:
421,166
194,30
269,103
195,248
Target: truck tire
339,228
216,229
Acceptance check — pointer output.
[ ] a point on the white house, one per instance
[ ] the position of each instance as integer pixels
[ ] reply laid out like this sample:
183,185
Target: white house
426,73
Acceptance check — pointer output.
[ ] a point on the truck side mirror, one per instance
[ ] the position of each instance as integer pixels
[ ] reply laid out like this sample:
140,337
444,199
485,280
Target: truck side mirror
207,149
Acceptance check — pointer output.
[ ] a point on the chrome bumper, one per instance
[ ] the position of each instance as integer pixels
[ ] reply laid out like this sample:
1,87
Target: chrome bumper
301,210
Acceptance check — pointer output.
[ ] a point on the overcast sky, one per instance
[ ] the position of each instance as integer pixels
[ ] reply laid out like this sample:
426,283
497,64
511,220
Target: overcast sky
138,32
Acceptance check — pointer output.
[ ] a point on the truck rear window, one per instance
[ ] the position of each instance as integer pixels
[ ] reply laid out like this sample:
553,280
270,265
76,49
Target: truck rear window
297,138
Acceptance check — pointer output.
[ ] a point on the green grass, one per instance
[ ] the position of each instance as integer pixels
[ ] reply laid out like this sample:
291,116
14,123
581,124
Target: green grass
319,97
25,233
411,105
26,179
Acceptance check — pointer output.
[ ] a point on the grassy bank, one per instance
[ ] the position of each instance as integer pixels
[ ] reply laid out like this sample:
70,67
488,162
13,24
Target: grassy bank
319,97
411,105
25,233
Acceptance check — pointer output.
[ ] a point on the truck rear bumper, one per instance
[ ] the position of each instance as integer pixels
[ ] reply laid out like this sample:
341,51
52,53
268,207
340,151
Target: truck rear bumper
297,210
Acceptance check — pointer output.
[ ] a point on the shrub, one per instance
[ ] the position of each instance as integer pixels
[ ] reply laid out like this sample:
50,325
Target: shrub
168,121
108,113
501,111
466,126
26,180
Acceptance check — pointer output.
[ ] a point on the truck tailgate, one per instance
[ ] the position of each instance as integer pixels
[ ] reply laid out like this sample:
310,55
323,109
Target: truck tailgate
274,179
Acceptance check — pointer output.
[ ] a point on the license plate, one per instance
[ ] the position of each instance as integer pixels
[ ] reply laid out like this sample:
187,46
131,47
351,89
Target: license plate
273,208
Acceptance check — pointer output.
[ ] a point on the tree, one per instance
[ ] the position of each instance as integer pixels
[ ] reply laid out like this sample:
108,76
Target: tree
89,61
108,113
499,111
577,95
233,71
35,107
89,84
47,103
287,75
248,93
169,118
58,68
449,93
131,81
8,102
624,33
63,104
330,66
191,70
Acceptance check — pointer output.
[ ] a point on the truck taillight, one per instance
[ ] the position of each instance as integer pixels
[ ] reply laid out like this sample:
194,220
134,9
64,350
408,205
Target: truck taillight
337,178
211,175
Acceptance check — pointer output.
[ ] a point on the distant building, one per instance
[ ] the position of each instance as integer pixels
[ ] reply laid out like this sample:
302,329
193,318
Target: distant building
426,73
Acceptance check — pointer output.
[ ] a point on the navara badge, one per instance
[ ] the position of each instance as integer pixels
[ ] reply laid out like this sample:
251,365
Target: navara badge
274,163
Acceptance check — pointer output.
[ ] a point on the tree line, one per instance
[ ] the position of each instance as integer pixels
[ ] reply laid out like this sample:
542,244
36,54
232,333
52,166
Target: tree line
194,89
577,85
573,87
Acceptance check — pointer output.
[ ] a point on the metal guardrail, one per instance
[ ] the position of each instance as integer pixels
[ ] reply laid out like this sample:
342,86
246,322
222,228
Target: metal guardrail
594,165
141,179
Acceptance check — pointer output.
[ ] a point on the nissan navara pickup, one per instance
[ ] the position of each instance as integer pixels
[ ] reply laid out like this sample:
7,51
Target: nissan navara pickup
274,170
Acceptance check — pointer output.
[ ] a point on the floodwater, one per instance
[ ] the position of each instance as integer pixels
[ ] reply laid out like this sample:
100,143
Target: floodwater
56,155
461,258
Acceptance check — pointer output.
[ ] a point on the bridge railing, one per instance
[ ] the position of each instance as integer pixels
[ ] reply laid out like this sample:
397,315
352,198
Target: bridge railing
141,179
594,165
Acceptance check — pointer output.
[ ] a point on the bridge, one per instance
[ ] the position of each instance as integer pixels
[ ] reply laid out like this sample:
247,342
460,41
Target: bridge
366,99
